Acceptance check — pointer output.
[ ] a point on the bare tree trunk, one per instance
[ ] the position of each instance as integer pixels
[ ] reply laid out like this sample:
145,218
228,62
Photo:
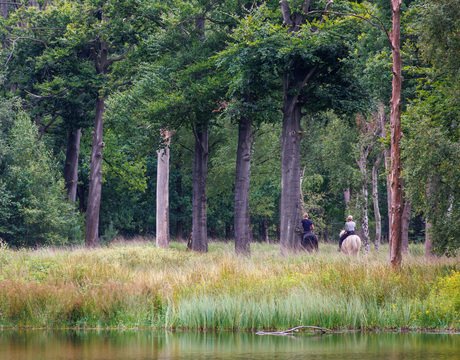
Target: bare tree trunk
95,178
71,164
290,176
365,195
375,197
242,220
199,217
162,210
395,124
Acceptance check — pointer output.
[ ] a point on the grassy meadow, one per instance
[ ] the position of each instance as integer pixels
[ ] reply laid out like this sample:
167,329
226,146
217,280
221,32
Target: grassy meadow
136,285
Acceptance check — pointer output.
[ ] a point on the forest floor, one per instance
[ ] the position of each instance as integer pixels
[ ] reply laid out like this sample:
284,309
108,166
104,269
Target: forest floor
133,284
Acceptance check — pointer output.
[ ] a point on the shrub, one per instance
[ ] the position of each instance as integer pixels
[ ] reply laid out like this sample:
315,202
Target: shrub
33,209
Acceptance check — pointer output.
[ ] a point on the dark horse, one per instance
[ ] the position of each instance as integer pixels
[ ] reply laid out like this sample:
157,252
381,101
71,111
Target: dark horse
309,241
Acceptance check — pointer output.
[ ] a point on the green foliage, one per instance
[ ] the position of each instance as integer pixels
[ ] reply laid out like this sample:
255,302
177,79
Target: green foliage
33,209
431,125
433,177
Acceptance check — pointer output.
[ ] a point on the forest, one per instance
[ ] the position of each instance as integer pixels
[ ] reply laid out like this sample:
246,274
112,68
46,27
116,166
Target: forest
209,119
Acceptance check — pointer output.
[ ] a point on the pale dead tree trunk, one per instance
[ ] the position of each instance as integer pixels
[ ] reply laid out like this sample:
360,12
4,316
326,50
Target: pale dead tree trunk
362,161
95,178
199,217
375,198
162,212
395,124
242,220
71,164
294,81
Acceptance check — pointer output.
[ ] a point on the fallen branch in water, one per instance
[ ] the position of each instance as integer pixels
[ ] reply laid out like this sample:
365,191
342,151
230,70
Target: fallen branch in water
286,332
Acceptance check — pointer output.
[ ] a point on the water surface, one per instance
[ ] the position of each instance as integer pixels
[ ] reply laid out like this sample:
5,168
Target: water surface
140,345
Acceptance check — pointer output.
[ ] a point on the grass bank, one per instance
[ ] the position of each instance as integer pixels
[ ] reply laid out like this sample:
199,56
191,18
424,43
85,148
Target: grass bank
137,285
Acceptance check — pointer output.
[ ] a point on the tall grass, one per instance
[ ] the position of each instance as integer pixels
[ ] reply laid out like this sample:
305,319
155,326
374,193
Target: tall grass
136,285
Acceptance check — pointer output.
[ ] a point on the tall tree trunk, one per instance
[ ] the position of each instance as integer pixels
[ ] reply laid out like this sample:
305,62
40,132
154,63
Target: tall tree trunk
375,197
71,164
290,175
242,221
199,217
365,196
294,81
395,124
162,212
95,178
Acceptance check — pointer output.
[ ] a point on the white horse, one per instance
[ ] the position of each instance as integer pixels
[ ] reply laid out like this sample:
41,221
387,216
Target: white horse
351,244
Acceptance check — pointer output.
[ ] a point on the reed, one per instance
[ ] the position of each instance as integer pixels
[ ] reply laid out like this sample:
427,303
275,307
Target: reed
136,285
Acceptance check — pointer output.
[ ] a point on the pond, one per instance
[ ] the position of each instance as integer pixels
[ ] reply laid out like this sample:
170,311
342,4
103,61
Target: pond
140,345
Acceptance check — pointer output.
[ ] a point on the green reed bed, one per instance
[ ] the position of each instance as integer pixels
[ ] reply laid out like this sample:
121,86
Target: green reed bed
136,285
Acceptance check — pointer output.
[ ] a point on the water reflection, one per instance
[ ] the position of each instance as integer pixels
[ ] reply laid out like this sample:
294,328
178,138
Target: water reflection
140,345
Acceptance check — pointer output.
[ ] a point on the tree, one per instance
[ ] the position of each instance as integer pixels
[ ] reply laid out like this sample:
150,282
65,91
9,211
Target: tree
162,220
395,125
252,101
33,209
308,64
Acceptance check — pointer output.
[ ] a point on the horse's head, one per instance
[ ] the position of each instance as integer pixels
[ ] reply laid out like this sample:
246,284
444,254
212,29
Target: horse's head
342,232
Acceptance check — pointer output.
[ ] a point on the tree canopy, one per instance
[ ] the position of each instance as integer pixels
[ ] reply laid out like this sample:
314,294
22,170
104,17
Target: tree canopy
297,80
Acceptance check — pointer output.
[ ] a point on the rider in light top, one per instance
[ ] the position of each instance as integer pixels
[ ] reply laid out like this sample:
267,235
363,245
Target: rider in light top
350,227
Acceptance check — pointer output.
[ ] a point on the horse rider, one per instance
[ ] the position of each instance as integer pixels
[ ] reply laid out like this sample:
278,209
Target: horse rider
350,227
307,224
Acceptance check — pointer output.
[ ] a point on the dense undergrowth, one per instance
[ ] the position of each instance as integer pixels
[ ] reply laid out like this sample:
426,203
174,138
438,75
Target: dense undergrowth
136,285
